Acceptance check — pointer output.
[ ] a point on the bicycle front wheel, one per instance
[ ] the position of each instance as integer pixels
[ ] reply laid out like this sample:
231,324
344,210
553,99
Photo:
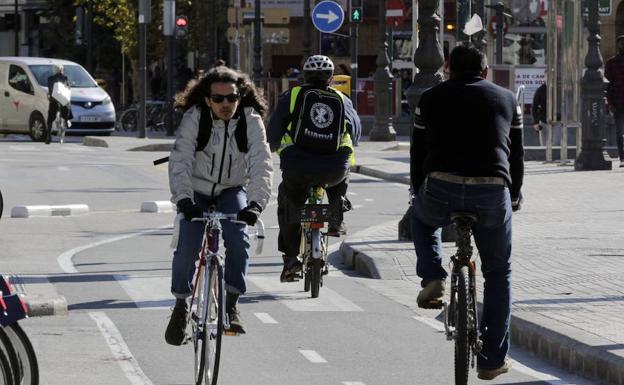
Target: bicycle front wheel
215,313
6,377
129,120
29,366
198,327
462,327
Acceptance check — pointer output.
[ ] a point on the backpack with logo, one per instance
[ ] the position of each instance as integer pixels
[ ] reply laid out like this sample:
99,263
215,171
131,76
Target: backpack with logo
318,120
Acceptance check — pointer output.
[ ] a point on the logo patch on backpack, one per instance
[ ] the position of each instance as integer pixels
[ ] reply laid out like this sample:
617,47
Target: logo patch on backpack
318,120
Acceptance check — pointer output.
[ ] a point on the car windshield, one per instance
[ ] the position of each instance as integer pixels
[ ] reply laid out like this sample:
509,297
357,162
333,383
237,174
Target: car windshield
78,77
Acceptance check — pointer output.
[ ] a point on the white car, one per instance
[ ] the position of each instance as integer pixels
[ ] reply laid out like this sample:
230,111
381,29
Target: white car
24,98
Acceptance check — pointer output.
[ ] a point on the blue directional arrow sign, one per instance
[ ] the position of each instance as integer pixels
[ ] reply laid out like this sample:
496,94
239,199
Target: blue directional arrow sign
328,16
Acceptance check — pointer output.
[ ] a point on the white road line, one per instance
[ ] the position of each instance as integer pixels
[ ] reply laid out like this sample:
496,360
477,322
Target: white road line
531,367
368,199
357,206
23,148
65,260
313,356
352,383
265,318
63,168
352,193
118,347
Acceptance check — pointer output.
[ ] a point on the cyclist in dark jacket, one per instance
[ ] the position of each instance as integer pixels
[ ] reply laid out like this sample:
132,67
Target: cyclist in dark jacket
467,155
55,106
303,168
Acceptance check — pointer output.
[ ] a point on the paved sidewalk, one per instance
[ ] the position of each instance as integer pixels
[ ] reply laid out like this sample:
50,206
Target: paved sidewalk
568,262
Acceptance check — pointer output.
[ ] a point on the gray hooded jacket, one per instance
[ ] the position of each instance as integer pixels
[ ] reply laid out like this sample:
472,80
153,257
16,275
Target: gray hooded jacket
220,165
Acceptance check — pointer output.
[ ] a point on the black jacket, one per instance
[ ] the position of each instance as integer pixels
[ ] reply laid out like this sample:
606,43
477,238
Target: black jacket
468,127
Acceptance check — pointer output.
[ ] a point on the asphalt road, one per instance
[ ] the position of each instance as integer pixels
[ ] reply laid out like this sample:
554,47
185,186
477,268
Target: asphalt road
359,331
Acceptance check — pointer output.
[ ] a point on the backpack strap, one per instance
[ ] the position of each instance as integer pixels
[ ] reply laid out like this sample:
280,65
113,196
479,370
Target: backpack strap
240,134
205,127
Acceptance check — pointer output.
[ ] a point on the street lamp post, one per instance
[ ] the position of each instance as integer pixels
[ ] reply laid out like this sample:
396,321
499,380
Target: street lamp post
257,67
382,126
428,58
593,155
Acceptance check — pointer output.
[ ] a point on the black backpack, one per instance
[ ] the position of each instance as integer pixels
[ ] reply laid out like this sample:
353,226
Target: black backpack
205,130
318,120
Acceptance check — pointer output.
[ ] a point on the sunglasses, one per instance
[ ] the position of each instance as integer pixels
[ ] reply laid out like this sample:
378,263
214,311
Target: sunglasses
220,98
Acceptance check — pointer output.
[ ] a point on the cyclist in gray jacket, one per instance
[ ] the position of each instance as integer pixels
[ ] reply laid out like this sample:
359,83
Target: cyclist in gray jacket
221,174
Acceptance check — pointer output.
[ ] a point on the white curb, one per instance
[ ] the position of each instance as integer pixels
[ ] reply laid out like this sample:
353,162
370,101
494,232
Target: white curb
157,207
48,211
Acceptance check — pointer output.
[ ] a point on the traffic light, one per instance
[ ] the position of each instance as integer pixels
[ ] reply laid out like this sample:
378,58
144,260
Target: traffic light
181,27
356,15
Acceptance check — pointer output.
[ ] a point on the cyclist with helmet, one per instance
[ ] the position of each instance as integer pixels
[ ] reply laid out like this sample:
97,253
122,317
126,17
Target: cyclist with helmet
54,106
313,129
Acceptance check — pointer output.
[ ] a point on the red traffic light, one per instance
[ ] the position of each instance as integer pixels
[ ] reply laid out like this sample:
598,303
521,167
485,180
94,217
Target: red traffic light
181,22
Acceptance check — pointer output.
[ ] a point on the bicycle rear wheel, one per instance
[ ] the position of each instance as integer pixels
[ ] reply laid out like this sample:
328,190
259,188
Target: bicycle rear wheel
198,327
7,348
316,262
462,327
28,358
5,370
214,324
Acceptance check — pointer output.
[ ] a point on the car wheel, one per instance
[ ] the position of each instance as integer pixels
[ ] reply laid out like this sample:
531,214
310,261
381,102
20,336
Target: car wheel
37,127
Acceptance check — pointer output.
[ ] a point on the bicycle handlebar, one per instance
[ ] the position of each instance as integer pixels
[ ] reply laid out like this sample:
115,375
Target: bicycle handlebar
258,233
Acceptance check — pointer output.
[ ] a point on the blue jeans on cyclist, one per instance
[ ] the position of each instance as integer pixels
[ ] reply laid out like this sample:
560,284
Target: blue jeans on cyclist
235,238
431,210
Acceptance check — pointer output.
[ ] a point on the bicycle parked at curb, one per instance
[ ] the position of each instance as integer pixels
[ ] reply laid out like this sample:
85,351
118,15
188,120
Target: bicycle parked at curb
207,316
18,361
155,117
313,249
461,322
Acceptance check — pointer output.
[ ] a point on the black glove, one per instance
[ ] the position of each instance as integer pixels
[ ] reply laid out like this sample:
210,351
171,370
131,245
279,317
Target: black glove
250,213
516,203
189,209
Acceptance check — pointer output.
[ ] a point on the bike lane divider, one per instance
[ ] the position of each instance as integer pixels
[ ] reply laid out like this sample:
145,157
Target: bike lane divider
28,211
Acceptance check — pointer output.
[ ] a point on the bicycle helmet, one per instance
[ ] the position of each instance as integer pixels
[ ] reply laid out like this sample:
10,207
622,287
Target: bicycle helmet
318,63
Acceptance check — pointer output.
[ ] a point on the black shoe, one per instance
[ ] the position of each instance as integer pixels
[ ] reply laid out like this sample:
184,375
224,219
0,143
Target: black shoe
336,229
176,330
236,324
291,267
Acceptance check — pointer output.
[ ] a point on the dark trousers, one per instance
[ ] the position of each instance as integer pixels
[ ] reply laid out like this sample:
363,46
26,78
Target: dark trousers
292,195
432,209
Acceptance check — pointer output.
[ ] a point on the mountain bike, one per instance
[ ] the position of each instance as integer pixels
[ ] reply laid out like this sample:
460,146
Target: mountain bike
313,246
155,117
460,314
207,317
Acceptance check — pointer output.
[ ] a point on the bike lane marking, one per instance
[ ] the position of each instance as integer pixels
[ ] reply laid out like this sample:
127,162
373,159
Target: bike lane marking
120,350
313,356
65,259
352,383
265,318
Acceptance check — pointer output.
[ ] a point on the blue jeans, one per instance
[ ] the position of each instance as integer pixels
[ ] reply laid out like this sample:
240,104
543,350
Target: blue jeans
235,239
431,210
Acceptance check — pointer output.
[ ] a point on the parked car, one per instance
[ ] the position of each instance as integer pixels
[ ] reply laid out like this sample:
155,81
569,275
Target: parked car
24,98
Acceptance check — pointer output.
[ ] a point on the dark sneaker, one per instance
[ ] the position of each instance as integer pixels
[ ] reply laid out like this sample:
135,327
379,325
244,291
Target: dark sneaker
430,297
231,308
336,230
490,374
291,267
176,330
